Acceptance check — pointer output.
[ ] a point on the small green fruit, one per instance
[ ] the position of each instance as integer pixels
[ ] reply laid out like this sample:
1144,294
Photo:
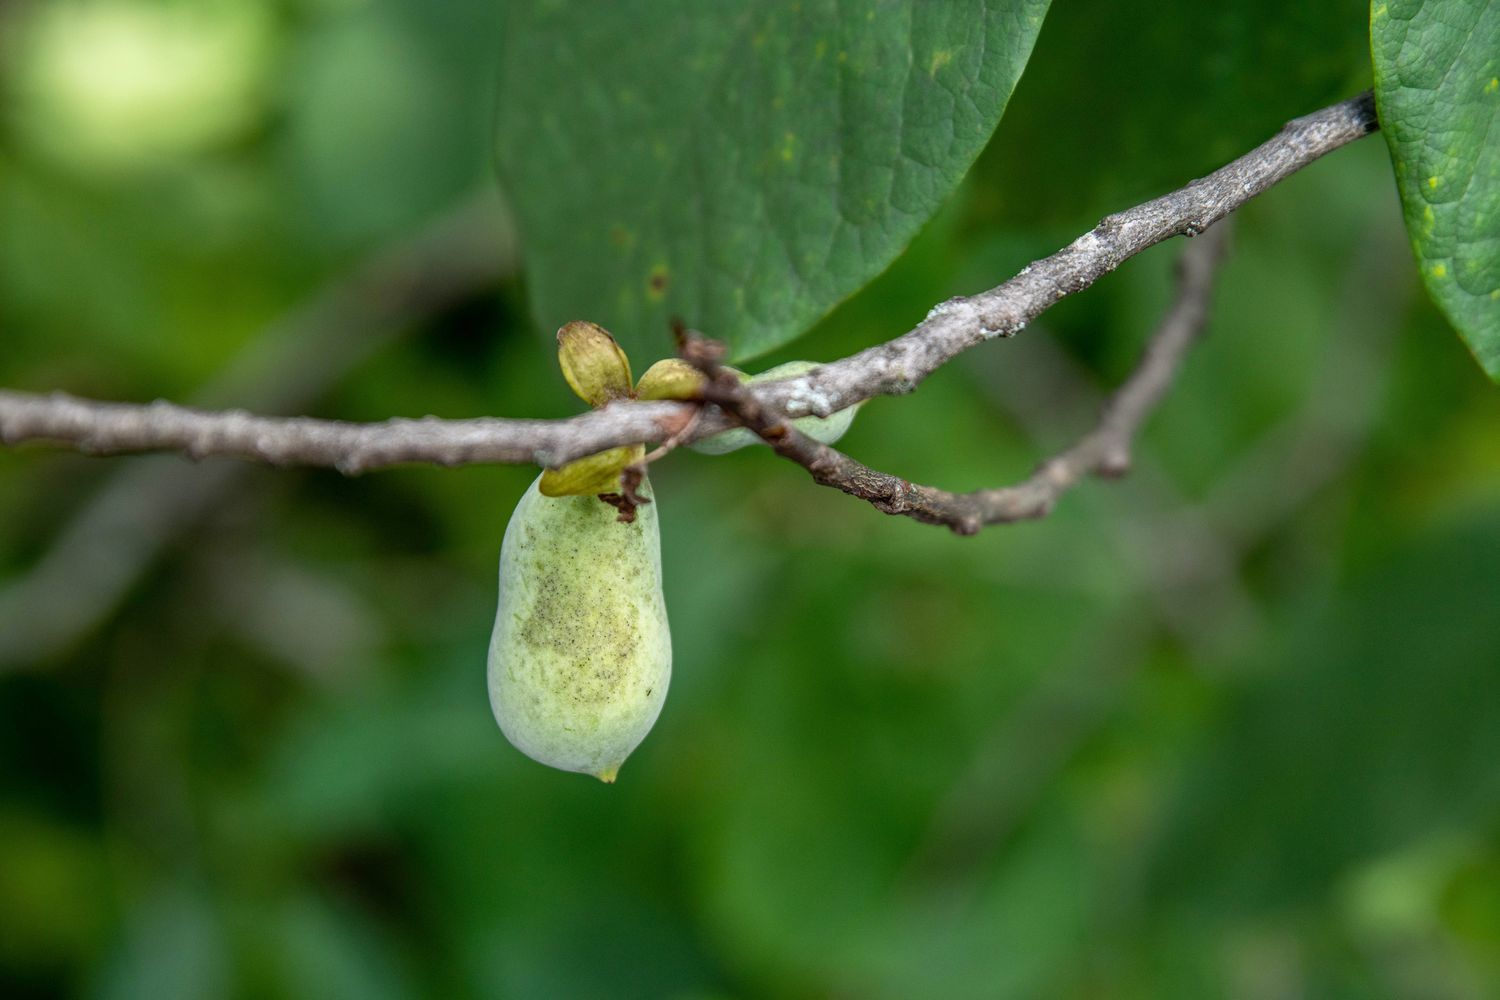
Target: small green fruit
581,655
825,429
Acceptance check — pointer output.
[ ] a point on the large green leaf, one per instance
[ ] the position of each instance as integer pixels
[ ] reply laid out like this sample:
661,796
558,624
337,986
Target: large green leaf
743,166
1437,85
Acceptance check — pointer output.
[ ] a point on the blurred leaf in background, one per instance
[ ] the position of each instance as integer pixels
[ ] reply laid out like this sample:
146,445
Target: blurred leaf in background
1223,728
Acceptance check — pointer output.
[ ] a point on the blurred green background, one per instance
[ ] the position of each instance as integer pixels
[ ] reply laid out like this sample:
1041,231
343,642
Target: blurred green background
1229,727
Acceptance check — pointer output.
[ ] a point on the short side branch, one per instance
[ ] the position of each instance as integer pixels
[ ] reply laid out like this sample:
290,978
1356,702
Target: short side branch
1104,451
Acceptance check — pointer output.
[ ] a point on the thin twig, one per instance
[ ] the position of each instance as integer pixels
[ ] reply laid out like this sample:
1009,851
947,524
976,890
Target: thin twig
676,440
1187,566
1104,451
895,367
1281,475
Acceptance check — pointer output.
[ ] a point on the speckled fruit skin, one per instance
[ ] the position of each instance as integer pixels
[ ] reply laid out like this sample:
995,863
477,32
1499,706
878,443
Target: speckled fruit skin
581,655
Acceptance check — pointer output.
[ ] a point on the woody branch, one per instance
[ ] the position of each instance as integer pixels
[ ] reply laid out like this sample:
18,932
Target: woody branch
891,368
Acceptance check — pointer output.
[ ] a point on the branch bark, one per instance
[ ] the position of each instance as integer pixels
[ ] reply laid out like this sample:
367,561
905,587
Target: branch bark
106,546
892,368
1104,451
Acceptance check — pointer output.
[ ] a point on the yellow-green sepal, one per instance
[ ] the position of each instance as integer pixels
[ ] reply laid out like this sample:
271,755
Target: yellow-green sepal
591,475
593,363
670,378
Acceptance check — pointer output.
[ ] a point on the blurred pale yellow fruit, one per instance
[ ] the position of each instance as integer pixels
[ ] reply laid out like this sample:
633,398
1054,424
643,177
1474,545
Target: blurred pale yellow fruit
115,85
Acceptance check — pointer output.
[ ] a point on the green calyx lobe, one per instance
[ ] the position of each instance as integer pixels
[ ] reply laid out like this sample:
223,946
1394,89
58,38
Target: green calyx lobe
670,378
594,365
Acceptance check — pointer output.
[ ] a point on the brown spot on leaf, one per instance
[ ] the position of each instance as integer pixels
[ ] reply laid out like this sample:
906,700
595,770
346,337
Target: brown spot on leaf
657,282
